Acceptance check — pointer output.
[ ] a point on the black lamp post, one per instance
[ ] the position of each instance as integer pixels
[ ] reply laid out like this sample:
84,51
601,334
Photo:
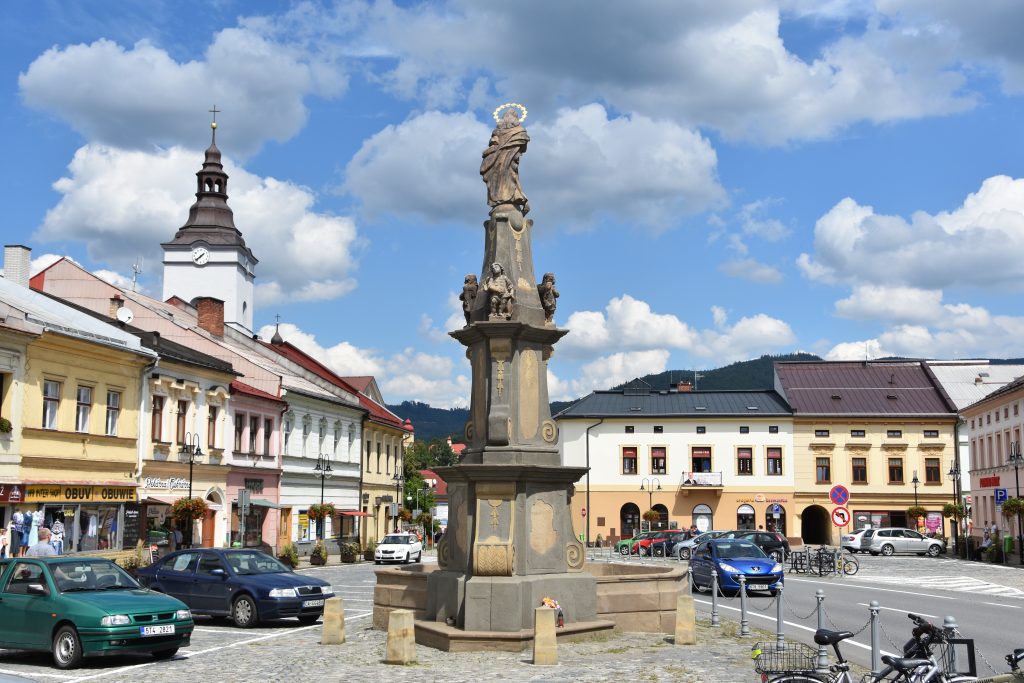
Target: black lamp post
399,481
190,447
323,470
1017,459
954,474
649,485
916,482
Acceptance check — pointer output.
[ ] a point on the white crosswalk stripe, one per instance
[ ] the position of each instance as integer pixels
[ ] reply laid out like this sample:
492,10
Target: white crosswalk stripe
962,584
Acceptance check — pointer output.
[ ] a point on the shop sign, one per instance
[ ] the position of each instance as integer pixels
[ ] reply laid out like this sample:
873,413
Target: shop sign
168,483
988,482
761,498
11,493
58,493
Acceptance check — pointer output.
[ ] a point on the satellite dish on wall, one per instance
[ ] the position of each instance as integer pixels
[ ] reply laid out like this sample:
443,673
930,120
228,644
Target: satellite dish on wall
125,315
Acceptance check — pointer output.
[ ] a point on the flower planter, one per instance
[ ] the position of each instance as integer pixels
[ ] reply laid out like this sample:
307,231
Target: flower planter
348,559
317,560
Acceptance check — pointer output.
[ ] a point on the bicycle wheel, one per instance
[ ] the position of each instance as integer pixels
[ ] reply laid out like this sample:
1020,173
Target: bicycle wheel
850,566
798,678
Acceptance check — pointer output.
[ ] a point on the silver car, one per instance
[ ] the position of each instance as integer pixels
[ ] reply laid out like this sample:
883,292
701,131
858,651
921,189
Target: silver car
684,548
892,540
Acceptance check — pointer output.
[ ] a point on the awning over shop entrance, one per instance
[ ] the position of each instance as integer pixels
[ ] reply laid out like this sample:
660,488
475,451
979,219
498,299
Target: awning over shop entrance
169,500
354,513
263,503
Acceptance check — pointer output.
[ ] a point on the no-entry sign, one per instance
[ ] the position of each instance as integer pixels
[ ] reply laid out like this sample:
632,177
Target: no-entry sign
840,516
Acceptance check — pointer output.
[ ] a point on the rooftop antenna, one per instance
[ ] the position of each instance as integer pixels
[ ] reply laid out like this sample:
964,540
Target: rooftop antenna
136,271
696,376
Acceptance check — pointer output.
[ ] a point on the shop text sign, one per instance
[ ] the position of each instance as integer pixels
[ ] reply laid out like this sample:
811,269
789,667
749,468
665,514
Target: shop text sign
759,498
11,493
60,493
165,483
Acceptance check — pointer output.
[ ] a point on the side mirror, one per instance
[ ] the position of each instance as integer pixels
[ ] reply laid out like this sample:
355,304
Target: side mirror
219,572
37,589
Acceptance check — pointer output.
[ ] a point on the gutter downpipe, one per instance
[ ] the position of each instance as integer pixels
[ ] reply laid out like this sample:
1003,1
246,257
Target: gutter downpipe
143,399
587,532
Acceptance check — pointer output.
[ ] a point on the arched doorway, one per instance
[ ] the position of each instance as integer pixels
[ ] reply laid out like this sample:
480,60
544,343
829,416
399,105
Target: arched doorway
629,519
662,522
702,517
816,525
745,517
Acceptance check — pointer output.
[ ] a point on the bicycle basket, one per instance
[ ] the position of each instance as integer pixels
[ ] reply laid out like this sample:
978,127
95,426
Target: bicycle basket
772,658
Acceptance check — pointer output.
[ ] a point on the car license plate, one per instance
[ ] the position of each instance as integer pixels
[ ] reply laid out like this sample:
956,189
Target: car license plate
164,630
757,586
313,603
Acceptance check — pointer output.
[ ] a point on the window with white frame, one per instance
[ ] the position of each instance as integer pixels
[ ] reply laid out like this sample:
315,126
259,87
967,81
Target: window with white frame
113,411
51,403
83,408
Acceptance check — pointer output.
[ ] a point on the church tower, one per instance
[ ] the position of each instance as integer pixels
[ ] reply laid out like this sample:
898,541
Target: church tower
208,257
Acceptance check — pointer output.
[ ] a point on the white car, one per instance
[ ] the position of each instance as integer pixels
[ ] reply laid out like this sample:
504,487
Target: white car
852,541
399,547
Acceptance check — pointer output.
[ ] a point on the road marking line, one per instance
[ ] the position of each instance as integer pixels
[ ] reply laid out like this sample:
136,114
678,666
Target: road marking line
883,590
901,611
999,604
14,672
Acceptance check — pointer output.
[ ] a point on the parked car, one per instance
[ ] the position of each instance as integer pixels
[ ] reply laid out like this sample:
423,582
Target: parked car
773,543
400,547
852,541
657,544
77,607
891,540
246,585
733,557
623,547
682,549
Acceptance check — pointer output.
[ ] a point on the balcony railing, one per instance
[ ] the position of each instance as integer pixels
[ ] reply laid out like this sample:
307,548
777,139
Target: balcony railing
690,479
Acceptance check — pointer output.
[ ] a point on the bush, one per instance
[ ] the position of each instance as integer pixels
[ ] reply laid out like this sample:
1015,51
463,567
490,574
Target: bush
289,556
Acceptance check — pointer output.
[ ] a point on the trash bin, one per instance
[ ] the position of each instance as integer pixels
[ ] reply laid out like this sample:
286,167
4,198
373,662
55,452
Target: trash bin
1007,545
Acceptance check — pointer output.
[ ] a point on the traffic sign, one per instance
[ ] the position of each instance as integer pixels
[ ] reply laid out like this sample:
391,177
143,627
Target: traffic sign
840,516
1001,496
839,495
776,509
583,512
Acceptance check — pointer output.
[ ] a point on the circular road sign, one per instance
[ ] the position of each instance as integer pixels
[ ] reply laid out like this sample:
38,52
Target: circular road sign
839,495
840,516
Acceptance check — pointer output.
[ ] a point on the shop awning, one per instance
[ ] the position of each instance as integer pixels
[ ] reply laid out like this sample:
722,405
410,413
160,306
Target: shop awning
169,500
353,513
264,503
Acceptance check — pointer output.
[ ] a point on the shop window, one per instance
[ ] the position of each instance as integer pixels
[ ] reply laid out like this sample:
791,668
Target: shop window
658,460
211,427
745,462
774,461
156,423
629,459
857,433
745,517
894,433
182,415
823,470
268,430
931,433
821,433
700,458
895,470
113,412
932,473
83,407
239,428
860,471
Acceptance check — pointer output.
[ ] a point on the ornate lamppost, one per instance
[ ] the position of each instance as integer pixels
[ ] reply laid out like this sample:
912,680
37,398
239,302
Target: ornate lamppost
190,447
399,480
1017,460
649,486
916,482
954,474
323,470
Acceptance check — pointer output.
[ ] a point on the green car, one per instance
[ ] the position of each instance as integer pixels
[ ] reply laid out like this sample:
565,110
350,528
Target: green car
78,607
623,546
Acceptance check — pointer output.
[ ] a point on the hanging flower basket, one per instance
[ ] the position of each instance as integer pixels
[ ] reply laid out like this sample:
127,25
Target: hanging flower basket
1014,507
652,516
916,512
953,510
325,511
185,509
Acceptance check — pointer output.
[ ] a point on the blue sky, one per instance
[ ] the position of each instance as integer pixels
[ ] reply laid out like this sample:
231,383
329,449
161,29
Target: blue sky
708,181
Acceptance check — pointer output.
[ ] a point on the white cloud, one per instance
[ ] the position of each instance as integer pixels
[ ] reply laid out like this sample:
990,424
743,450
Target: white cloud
647,171
304,255
44,261
904,304
608,371
750,337
750,269
857,350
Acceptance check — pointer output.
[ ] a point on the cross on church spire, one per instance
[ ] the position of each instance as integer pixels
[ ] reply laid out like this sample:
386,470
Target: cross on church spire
213,125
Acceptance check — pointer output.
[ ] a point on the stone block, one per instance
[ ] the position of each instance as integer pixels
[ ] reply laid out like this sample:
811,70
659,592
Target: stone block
545,642
333,630
686,621
401,644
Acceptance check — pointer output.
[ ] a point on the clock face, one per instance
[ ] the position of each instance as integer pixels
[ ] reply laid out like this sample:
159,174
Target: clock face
200,255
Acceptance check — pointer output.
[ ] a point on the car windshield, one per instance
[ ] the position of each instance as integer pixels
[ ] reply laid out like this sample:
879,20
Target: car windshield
728,551
91,575
396,539
246,562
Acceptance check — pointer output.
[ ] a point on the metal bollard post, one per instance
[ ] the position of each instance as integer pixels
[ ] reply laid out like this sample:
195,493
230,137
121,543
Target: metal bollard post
876,644
819,595
780,637
715,621
689,578
744,622
950,626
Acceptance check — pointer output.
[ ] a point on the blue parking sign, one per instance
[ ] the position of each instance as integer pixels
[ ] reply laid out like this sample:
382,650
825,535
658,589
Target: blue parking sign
1001,496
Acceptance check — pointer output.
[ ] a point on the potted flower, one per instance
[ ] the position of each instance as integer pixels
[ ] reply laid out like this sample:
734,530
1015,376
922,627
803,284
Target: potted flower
289,556
348,552
188,509
369,550
319,554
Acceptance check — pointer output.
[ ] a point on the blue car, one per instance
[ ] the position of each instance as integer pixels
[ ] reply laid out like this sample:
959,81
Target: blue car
248,586
733,557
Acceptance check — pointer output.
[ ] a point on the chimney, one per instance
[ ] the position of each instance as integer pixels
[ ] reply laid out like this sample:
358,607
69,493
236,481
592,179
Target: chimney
115,303
684,386
17,262
211,314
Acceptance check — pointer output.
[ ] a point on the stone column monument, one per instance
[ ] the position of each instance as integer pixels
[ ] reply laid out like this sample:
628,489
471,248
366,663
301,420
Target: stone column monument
510,540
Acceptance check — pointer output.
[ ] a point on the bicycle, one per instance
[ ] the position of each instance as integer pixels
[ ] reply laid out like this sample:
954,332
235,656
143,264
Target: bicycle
846,564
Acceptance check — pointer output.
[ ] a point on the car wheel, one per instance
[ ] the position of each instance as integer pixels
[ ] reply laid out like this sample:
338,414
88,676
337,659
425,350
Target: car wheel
933,551
624,550
888,550
244,613
773,592
419,557
408,558
684,553
659,552
376,561
308,618
165,654
67,648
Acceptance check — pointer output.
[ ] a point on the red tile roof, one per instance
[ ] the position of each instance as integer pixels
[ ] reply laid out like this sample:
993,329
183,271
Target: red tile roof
360,382
241,388
441,490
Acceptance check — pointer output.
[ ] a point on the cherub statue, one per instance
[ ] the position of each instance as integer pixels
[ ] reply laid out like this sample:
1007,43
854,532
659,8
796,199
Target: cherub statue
502,292
548,294
468,296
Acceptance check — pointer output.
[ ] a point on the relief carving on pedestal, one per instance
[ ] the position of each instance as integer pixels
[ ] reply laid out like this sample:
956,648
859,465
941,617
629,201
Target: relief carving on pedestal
550,431
574,555
542,527
529,394
493,554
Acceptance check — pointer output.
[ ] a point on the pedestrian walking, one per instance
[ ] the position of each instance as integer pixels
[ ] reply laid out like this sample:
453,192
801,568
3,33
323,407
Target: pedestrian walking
42,548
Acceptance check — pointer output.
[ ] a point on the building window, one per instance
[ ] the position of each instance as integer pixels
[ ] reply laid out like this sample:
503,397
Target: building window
211,426
1016,411
629,459
113,411
1006,411
659,429
860,471
702,430
895,470
894,433
744,430
774,460
51,402
337,437
156,423
823,471
931,433
773,429
745,461
287,435
254,428
182,412
988,419
857,433
931,471
239,428
700,457
368,458
972,423
821,432
268,429
629,429
83,406
997,415
658,460
387,459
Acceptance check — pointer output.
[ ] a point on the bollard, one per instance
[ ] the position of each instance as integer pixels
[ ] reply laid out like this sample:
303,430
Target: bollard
715,621
401,645
876,643
819,595
780,637
949,626
333,631
744,622
545,643
686,620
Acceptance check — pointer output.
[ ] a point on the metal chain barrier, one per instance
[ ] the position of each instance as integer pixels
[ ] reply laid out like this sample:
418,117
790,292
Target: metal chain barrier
797,616
856,633
768,605
897,647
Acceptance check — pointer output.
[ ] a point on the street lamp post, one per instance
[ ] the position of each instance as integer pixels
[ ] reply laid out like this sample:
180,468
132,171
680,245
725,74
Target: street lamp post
399,481
916,482
954,474
649,486
1017,459
190,447
324,471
